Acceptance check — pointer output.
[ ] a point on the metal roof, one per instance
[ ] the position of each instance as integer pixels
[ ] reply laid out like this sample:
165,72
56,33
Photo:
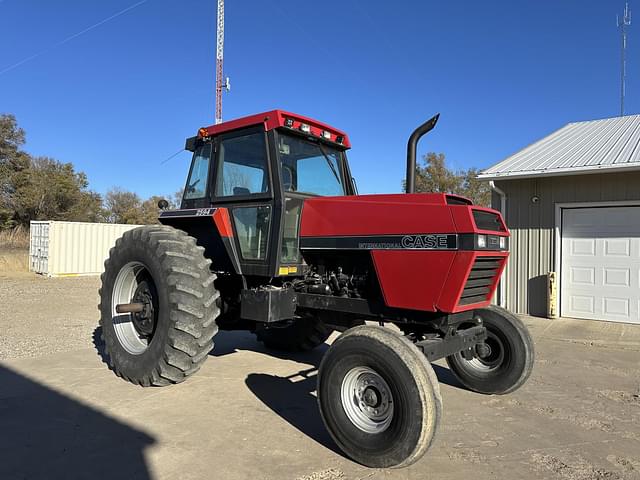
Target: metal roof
581,147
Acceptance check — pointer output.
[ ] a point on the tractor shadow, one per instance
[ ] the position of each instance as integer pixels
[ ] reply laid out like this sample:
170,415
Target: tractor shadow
446,377
291,397
227,343
49,435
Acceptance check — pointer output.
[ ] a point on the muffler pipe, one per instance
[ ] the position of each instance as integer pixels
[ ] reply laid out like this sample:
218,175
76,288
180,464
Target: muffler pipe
412,147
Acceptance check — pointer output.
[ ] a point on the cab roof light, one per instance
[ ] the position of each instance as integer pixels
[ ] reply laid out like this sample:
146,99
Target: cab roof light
326,135
305,128
288,122
203,132
340,139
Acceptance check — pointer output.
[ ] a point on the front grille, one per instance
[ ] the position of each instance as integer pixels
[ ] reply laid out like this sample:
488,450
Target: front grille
480,279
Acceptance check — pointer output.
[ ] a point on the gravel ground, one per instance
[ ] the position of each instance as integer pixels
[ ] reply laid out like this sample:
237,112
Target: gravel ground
251,414
40,315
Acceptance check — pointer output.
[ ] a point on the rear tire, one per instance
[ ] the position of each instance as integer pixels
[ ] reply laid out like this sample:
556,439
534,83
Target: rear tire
172,339
509,362
300,335
379,397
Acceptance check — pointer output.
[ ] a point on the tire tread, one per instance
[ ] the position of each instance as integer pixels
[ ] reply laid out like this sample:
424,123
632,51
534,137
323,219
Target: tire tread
192,304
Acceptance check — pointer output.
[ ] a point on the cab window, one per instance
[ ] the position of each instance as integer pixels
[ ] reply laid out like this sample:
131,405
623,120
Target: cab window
197,182
242,166
252,230
310,167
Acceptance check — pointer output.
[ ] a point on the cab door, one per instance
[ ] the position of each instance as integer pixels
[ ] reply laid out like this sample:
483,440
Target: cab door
243,184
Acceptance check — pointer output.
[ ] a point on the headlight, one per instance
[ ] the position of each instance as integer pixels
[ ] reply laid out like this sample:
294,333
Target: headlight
482,241
503,243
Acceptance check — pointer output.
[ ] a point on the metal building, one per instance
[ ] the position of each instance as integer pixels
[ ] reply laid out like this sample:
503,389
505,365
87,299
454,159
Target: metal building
71,248
572,202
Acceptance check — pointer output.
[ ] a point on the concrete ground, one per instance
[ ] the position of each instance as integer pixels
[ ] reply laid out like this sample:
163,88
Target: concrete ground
251,415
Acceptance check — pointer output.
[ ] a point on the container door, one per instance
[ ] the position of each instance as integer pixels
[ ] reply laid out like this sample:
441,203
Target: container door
39,248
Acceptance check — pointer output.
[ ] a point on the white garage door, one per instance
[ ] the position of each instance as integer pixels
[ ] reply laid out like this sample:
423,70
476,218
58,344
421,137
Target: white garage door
601,263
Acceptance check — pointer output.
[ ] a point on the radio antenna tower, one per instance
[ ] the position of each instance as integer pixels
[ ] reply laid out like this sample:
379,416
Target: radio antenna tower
221,83
623,24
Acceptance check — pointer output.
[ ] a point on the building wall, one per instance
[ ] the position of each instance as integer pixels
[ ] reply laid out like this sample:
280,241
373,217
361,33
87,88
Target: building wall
532,227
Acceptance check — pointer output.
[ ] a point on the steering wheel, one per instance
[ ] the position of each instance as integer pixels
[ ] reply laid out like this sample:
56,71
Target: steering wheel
287,178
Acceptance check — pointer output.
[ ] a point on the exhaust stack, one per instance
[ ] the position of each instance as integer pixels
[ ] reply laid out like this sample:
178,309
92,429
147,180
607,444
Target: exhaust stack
412,147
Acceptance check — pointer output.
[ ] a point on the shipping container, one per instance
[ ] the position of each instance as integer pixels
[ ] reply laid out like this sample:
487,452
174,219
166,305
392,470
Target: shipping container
71,248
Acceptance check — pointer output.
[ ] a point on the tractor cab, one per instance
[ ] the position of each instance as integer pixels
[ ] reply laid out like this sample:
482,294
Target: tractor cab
256,172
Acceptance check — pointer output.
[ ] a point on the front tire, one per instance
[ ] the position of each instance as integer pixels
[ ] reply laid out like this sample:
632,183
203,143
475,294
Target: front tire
379,397
507,362
164,269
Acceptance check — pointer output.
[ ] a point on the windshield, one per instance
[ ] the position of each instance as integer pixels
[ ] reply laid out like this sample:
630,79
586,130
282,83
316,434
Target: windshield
309,167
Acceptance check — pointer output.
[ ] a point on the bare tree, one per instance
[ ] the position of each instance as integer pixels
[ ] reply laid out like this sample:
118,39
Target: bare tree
434,176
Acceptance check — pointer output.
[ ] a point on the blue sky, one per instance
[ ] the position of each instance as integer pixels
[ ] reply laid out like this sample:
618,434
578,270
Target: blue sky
119,99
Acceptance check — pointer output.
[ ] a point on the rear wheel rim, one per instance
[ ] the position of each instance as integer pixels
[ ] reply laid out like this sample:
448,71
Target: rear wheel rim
134,284
367,400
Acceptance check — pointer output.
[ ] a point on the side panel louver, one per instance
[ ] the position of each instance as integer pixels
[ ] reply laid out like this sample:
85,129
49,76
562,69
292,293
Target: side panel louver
480,280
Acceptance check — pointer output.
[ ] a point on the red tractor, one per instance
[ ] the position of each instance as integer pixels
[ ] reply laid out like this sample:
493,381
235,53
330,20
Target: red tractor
272,237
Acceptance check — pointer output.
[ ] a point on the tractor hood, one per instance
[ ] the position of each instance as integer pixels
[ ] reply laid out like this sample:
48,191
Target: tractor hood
397,214
431,252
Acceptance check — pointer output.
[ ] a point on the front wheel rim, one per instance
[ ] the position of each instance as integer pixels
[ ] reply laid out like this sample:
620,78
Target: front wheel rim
494,359
134,331
367,400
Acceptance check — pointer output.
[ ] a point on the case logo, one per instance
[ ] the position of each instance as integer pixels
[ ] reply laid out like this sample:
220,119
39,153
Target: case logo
429,242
